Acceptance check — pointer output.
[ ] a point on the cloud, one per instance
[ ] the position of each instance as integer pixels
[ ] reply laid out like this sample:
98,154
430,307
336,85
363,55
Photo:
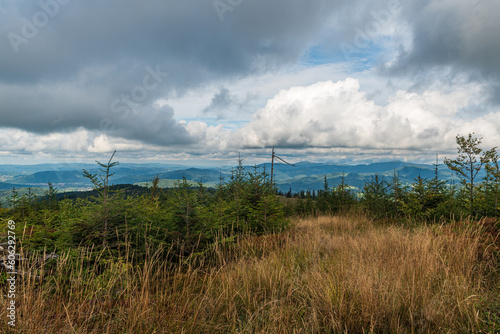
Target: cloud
220,101
329,114
152,125
426,41
69,62
77,141
47,108
205,140
100,75
461,35
186,38
224,103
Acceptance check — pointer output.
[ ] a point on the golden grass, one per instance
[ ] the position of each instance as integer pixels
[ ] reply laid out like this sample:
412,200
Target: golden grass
326,275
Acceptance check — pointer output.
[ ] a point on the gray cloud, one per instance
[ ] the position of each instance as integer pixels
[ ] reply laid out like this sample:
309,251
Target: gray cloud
64,63
428,41
47,108
220,101
223,102
256,36
155,126
84,64
461,35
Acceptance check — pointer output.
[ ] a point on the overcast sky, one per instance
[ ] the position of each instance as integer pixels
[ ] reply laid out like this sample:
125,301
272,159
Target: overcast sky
196,81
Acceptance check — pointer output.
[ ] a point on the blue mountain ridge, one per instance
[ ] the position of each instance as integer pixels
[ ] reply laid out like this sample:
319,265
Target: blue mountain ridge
303,176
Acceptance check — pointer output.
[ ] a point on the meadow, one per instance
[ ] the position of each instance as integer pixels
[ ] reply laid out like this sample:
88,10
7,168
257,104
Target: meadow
327,274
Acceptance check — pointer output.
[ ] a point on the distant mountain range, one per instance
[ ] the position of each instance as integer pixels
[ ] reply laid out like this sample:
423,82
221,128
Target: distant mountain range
311,176
302,176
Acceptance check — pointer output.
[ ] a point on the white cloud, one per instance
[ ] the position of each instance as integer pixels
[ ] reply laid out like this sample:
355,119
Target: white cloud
328,114
23,141
102,144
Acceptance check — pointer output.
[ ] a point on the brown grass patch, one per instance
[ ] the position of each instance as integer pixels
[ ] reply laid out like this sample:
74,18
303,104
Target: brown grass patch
326,275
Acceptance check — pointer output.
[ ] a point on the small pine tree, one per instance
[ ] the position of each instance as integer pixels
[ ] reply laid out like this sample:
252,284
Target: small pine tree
184,202
397,193
493,181
235,192
50,196
376,196
108,207
14,199
155,190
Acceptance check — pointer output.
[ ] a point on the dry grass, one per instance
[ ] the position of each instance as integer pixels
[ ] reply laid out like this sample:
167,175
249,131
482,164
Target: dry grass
326,275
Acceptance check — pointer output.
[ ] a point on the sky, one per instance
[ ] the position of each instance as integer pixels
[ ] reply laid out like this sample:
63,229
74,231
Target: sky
202,82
